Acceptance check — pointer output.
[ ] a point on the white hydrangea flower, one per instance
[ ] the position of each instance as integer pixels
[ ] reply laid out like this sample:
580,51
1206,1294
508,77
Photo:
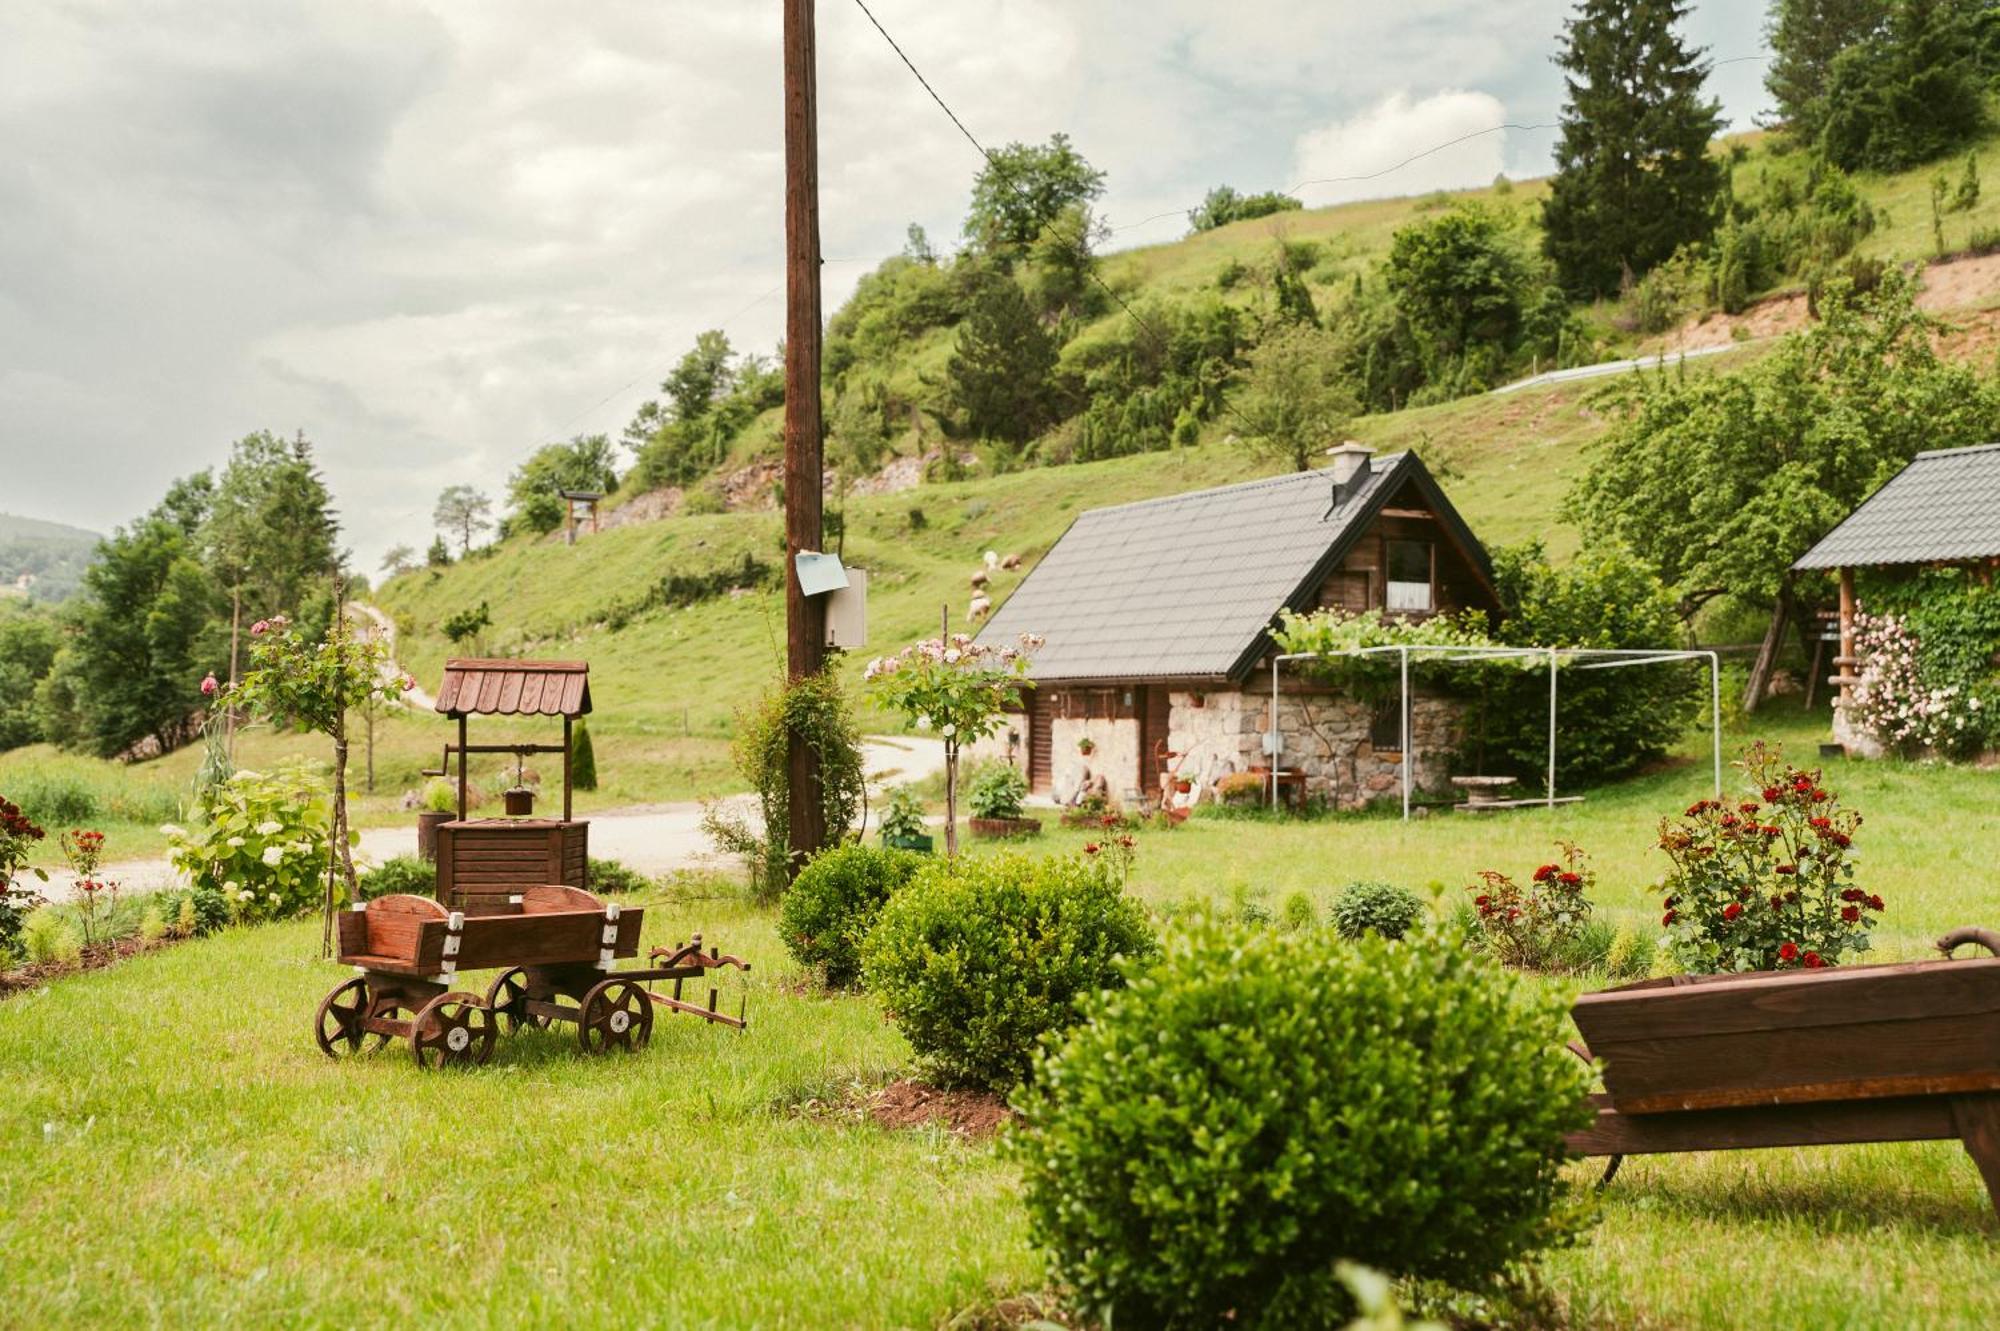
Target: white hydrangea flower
273,855
270,827
235,843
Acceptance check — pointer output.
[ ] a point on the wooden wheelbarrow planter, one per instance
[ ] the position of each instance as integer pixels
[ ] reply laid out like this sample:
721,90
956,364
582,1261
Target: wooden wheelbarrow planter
1800,1058
549,943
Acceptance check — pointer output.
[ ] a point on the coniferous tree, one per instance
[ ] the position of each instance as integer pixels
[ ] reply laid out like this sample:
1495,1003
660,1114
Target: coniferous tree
1910,92
1806,37
1635,180
999,374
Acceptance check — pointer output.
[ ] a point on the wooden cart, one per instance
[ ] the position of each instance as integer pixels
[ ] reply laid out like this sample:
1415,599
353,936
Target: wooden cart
549,943
1853,1054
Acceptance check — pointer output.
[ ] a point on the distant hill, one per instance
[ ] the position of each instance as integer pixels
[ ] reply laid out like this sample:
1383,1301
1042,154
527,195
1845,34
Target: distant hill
50,555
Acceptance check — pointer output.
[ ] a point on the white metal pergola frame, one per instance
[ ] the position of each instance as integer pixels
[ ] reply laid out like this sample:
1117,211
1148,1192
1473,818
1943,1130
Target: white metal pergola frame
1587,658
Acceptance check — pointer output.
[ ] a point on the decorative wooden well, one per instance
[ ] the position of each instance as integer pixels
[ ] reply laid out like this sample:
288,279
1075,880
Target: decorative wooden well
488,861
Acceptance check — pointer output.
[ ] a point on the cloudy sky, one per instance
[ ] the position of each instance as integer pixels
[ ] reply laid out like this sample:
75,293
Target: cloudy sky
434,235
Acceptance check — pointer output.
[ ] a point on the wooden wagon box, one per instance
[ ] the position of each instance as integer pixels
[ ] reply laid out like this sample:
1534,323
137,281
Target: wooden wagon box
1794,1037
542,926
1907,1052
484,861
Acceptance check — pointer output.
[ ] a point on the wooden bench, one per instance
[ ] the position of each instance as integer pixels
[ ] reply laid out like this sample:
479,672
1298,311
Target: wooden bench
1853,1054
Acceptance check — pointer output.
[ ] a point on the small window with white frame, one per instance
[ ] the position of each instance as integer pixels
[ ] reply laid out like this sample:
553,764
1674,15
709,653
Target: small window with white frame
1409,583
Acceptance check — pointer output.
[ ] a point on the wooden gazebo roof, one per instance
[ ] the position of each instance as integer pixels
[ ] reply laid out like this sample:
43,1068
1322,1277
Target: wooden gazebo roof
479,687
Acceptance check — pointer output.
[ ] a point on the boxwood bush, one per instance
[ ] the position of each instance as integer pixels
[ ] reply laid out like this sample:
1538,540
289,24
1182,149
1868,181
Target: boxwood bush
834,902
1251,1110
976,960
1379,908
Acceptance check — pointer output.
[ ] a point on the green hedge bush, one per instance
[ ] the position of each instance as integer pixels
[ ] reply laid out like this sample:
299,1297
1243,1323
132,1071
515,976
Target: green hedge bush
834,902
977,960
1249,1111
398,874
1381,908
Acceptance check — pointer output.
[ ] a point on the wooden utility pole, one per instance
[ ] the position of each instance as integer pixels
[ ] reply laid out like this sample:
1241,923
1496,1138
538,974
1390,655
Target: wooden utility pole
805,616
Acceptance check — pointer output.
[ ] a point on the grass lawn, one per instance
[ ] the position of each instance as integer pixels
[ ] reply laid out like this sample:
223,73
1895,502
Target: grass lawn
180,1153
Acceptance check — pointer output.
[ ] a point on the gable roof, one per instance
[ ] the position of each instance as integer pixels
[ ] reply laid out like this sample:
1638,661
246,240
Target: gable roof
1945,505
1184,587
476,686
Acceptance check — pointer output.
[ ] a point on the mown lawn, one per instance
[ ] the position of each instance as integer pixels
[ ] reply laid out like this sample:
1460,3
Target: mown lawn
179,1153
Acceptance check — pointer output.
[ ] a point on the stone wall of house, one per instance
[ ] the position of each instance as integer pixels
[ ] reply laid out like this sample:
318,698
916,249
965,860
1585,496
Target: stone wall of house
1324,735
1114,755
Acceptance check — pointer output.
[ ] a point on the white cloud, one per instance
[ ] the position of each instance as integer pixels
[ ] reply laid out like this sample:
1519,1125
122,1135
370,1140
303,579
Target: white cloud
1379,139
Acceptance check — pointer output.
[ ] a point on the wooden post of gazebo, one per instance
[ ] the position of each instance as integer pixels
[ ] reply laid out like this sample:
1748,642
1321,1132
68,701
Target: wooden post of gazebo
1845,663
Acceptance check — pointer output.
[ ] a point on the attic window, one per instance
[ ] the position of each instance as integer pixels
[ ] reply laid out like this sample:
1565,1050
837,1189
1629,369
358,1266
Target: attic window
1409,590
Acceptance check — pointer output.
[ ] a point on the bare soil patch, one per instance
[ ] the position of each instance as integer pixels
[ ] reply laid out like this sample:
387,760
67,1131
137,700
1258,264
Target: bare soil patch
911,1104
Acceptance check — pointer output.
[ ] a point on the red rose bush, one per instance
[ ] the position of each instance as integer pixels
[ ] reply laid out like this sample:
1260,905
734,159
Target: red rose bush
1765,882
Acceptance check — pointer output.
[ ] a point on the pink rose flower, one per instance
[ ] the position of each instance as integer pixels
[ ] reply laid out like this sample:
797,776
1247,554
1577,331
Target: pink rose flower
209,685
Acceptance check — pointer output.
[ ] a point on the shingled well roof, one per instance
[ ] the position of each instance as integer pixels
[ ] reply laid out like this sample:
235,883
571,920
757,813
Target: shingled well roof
1944,506
1184,587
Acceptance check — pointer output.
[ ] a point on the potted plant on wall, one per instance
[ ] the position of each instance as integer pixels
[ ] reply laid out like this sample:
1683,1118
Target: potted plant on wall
439,804
1086,746
995,795
903,822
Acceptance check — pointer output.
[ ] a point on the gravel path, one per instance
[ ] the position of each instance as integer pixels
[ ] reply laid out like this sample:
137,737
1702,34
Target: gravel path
652,838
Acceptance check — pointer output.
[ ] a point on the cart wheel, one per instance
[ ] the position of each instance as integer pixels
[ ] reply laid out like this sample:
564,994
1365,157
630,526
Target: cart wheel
452,1030
337,1027
616,1014
507,999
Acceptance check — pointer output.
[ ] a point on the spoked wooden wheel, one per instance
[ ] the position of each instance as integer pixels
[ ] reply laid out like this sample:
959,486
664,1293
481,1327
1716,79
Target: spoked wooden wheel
616,1014
452,1030
338,1027
507,999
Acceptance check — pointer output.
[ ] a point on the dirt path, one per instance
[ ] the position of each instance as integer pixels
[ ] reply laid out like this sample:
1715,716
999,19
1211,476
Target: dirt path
385,631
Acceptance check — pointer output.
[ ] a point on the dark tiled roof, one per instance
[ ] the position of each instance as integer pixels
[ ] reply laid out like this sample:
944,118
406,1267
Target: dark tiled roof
476,687
1945,505
1184,587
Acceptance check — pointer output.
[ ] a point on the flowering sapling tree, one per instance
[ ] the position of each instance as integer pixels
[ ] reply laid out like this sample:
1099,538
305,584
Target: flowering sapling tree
957,687
1765,883
314,685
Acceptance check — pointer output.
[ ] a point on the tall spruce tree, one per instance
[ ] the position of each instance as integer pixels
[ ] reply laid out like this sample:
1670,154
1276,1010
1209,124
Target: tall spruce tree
1910,92
1805,38
1635,180
999,373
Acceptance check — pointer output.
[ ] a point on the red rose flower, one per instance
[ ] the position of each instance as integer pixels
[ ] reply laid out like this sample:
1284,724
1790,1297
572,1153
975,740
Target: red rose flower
1669,918
1875,903
1777,903
1772,830
1569,879
1771,794
1850,913
1841,839
1746,807
1091,848
1786,869
1813,961
1732,910
1546,872
1853,894
1788,952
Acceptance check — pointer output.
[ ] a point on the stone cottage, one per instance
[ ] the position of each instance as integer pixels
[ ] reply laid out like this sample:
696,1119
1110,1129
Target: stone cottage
1157,619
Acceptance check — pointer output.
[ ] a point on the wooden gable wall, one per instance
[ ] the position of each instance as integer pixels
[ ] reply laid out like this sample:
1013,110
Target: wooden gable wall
1361,581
